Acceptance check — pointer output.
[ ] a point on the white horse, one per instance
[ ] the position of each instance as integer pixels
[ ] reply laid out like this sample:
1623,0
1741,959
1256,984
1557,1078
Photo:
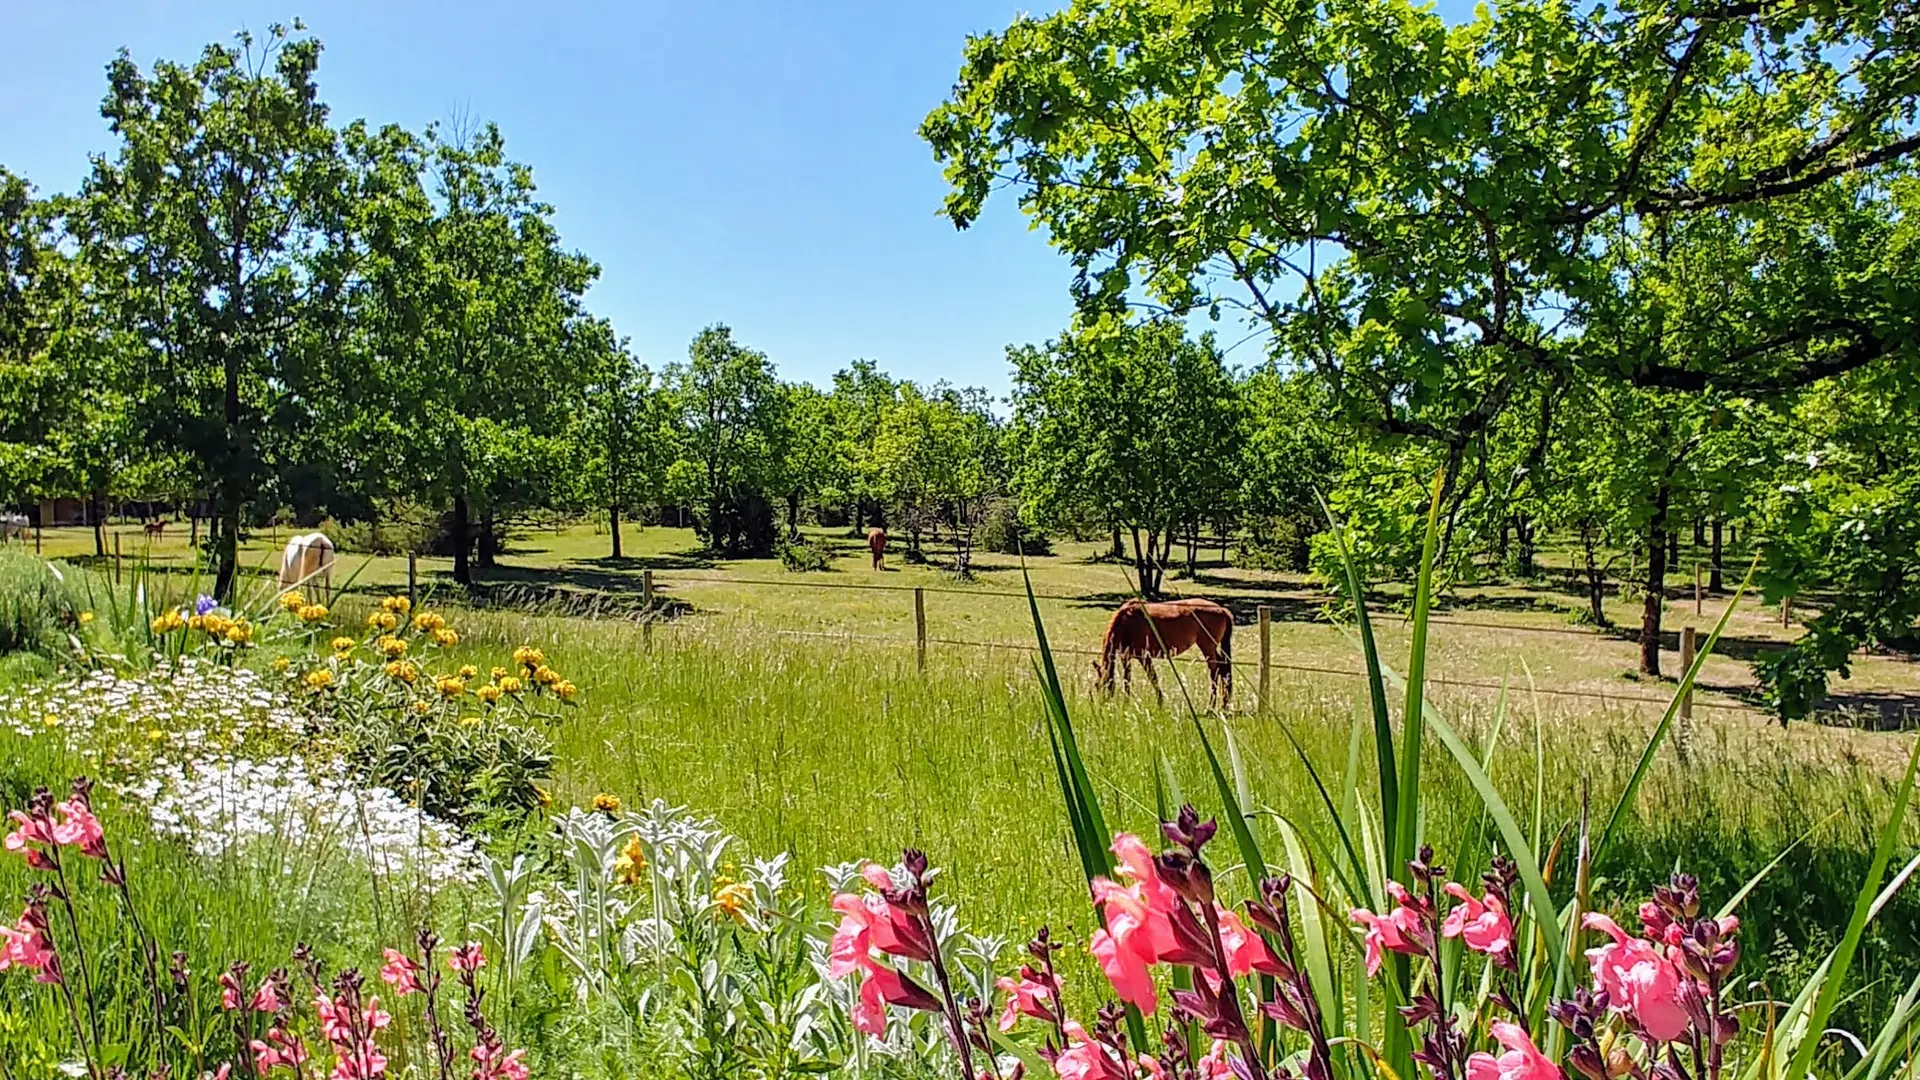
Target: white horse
307,557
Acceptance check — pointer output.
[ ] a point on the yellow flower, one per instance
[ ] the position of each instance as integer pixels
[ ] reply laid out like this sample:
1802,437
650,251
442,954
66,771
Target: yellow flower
565,689
282,664
542,796
195,622
630,863
313,613
381,620
607,804
391,647
239,632
343,644
168,621
469,721
488,694
510,685
50,720
156,735
292,601
86,617
420,708
449,687
402,670
529,657
399,605
468,671
445,638
215,624
735,900
428,620
496,674
318,679
545,675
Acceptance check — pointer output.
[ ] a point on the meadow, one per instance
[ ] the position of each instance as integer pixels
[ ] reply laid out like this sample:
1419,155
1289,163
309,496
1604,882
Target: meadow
796,714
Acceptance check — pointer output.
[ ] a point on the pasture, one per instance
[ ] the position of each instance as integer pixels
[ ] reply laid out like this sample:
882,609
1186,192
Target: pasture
792,707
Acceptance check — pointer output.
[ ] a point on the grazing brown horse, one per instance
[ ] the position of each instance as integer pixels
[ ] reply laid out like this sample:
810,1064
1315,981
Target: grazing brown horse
1143,631
877,543
154,529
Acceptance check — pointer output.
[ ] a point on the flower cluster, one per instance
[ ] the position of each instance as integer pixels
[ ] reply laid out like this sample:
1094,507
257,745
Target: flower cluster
222,627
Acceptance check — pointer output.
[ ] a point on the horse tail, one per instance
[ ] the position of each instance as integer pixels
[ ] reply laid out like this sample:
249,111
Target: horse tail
1226,653
1111,645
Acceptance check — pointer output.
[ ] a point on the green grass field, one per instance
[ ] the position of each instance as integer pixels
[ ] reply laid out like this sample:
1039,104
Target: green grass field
797,715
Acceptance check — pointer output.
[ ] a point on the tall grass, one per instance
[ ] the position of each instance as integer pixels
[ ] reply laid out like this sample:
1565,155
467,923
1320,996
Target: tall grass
837,749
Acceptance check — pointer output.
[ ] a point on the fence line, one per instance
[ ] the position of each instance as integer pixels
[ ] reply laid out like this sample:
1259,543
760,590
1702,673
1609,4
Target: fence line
1387,613
1069,650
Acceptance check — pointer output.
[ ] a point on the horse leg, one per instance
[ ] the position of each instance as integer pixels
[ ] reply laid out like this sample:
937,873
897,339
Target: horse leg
1146,665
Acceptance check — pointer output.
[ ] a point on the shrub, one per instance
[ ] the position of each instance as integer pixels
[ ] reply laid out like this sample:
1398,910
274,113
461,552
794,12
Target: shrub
802,556
1004,533
37,606
1281,543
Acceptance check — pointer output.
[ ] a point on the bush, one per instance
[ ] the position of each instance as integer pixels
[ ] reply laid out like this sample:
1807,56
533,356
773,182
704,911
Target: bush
37,606
400,528
802,556
1282,543
1004,533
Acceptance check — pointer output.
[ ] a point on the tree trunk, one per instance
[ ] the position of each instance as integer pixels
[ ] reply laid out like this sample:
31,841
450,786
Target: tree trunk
97,511
1673,547
1144,573
460,530
1523,531
1713,559
1699,532
1118,551
613,526
793,515
1223,545
1596,581
1654,604
1193,548
489,541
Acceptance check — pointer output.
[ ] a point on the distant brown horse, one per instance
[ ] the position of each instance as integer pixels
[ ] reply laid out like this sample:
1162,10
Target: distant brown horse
155,528
877,543
1143,631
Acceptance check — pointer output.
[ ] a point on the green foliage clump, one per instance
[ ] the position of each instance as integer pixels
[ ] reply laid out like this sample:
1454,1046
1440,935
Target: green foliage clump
1004,533
802,556
37,607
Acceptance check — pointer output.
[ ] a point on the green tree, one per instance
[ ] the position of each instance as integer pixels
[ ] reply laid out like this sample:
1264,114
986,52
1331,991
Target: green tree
212,237
479,338
731,413
862,394
627,440
1135,419
1427,213
938,453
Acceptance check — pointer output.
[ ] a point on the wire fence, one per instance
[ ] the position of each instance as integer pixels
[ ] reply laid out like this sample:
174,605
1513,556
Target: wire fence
923,640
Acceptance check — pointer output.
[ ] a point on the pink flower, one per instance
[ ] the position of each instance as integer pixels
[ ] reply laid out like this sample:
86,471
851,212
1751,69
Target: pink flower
231,990
1483,925
880,987
222,1072
1639,981
267,999
1522,1061
400,972
26,945
1396,932
1125,951
1214,1065
80,829
27,832
1139,930
1088,1060
496,1062
1027,997
278,1049
885,927
468,957
1247,951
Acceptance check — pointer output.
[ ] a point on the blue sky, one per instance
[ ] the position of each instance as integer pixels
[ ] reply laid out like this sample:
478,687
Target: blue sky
753,162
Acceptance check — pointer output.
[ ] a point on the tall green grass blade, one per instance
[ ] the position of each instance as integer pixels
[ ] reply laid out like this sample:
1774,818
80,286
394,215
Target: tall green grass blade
1413,717
1733,902
1666,721
1376,686
1864,907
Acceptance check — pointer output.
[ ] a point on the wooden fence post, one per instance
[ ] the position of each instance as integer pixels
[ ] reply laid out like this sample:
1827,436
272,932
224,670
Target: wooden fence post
116,558
413,580
1266,651
646,608
920,627
42,528
1683,732
1786,612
